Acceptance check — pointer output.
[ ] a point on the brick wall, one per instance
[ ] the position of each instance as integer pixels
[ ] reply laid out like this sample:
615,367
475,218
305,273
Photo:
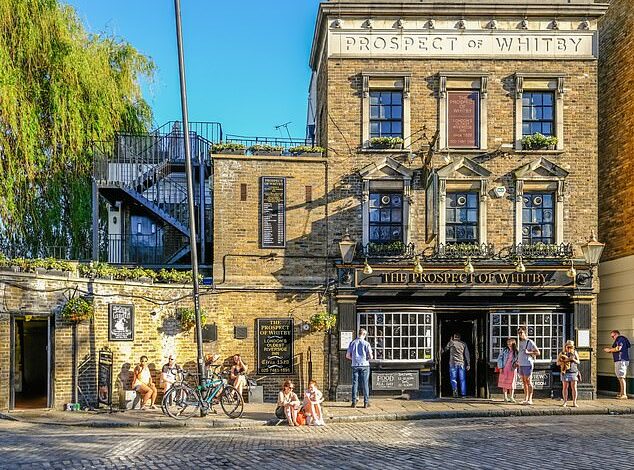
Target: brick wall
616,119
157,333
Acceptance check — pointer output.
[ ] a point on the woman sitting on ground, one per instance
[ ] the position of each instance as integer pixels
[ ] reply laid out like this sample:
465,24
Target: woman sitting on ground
237,373
312,405
288,403
143,384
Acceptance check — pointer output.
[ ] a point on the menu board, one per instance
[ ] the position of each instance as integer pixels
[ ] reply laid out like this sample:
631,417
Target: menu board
104,377
120,322
462,119
397,380
273,212
275,345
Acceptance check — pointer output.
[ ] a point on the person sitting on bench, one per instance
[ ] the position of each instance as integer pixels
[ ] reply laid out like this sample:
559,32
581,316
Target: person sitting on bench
142,384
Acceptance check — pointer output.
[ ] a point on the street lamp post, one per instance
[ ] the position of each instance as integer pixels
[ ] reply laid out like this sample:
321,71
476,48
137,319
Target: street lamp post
190,190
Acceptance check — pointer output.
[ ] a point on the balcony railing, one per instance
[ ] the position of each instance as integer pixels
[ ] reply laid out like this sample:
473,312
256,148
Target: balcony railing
386,250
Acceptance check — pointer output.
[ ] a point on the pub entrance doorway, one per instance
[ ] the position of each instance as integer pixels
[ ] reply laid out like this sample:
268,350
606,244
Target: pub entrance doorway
471,326
30,351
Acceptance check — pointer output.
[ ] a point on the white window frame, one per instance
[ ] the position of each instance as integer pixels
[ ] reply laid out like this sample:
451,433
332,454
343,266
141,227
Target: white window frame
462,81
385,81
527,180
429,327
515,313
540,82
462,175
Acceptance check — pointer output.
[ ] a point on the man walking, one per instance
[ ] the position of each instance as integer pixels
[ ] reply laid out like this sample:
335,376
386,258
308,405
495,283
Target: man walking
621,354
459,364
528,351
360,353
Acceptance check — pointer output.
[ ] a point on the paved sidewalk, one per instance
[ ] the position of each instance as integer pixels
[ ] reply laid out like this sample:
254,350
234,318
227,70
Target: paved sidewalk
382,409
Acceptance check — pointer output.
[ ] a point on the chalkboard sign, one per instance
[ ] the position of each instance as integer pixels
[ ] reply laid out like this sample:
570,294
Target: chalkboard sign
120,322
273,212
542,379
104,377
275,346
395,380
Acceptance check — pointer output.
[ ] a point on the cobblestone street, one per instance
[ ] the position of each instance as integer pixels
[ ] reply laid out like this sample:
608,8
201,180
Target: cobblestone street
589,441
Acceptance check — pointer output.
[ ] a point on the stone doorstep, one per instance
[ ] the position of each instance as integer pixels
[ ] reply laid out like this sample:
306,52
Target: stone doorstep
333,415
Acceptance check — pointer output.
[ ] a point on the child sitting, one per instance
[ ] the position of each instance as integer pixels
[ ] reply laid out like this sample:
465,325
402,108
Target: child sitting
312,405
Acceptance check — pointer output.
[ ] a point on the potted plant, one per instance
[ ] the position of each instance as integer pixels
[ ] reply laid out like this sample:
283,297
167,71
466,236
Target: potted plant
187,317
539,141
234,148
386,143
77,309
323,321
266,149
307,151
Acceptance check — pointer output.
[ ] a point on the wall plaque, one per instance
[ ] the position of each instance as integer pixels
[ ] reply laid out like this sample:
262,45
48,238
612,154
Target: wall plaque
401,380
275,345
120,322
462,119
273,212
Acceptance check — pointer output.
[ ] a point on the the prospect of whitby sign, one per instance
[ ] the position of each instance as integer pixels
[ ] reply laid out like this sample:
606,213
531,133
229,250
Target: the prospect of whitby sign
497,44
458,278
275,345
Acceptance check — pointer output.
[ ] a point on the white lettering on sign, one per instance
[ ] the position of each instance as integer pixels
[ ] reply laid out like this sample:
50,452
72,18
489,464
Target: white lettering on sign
574,44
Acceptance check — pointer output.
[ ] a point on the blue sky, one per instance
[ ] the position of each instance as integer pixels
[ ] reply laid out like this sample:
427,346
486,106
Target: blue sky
246,61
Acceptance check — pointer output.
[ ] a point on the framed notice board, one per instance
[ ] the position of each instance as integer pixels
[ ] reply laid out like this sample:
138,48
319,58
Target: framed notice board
275,345
273,212
120,322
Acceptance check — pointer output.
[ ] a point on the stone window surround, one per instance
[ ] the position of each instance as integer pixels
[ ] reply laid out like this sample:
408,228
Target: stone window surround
555,183
477,81
381,81
449,181
540,82
402,176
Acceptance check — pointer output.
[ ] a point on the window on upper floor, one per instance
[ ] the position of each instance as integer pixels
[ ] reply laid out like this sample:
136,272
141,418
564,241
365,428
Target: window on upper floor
461,217
538,113
538,218
385,216
386,113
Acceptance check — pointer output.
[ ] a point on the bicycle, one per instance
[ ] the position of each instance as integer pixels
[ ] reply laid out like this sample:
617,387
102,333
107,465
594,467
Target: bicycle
182,400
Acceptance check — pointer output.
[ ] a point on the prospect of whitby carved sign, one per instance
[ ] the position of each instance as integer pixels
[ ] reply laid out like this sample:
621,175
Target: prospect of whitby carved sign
506,44
458,278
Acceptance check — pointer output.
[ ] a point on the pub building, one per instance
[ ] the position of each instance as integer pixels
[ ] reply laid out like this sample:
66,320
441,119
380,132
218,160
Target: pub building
462,170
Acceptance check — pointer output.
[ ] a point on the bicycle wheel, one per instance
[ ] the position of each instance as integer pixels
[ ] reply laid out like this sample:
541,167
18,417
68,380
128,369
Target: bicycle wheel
181,402
231,402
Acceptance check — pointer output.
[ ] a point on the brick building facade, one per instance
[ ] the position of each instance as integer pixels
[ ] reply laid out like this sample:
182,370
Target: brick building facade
616,168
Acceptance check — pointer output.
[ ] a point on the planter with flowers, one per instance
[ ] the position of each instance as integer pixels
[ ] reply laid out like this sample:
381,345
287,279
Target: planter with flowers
394,143
77,309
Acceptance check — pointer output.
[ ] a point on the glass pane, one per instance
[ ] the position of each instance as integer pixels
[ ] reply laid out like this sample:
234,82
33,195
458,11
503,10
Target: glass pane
397,112
386,98
547,99
548,200
374,215
472,215
386,128
397,200
396,215
548,113
396,233
385,112
526,114
374,128
451,215
397,97
385,215
547,128
397,128
472,199
374,98
374,112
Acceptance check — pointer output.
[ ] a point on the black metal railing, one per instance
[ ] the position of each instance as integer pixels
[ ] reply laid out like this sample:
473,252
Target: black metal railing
542,251
386,250
138,249
60,252
283,143
460,251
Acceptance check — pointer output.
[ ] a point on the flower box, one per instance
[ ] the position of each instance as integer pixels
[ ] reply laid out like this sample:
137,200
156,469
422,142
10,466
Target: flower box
386,143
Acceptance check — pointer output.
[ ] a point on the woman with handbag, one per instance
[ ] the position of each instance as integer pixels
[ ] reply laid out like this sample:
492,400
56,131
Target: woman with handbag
507,366
568,362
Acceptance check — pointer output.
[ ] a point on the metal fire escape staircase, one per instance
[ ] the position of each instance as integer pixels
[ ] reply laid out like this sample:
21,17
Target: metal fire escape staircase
147,171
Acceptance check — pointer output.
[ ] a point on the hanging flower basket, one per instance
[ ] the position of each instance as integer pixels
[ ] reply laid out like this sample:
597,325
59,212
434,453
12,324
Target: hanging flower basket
77,309
323,321
187,317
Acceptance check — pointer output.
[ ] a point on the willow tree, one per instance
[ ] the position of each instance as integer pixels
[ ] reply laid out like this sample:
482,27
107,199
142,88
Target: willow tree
61,89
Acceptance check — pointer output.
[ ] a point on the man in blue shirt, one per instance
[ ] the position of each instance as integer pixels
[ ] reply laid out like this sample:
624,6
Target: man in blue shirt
621,354
360,353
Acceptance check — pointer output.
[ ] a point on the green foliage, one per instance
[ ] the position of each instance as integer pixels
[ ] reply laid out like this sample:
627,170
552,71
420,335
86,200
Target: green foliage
77,309
323,321
306,149
106,271
234,146
29,265
386,249
538,141
265,148
187,317
386,142
60,89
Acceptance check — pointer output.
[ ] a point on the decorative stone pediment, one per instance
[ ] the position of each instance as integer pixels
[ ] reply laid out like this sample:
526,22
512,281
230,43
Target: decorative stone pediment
386,168
540,169
463,168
